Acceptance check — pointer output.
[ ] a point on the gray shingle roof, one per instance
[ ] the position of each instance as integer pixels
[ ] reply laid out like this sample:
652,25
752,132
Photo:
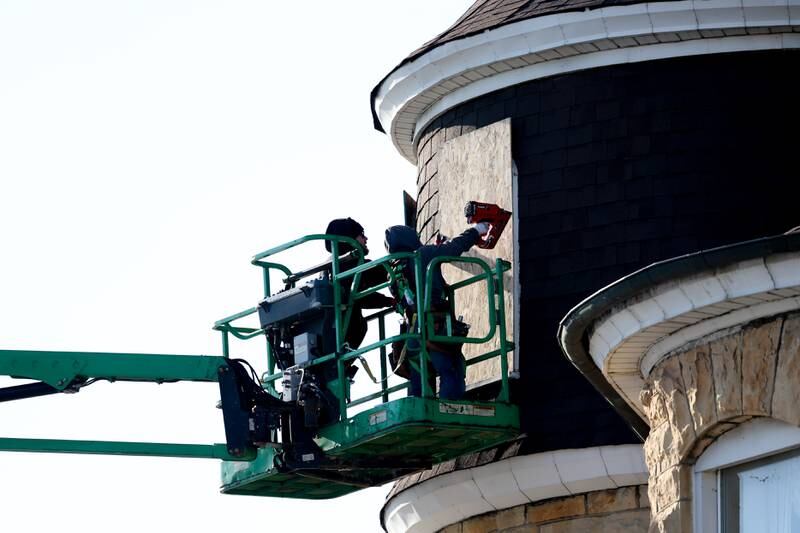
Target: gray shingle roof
488,14
485,15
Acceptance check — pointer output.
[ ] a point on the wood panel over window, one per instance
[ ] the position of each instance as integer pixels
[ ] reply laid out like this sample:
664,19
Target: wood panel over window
478,166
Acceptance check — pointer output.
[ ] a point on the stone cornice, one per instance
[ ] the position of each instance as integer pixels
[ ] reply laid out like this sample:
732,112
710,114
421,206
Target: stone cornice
413,95
456,496
628,342
634,323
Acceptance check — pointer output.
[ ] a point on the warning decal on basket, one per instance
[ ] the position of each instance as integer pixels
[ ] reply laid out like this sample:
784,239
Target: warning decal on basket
465,409
377,418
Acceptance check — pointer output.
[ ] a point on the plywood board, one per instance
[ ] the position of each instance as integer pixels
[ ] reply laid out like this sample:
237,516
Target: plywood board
478,166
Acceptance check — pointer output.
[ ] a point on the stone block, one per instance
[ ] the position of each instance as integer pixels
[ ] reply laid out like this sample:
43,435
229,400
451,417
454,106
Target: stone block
720,429
644,497
453,528
678,414
480,524
635,521
700,446
670,487
662,448
611,501
669,441
508,518
675,519
653,404
651,495
698,378
555,509
726,360
759,351
787,377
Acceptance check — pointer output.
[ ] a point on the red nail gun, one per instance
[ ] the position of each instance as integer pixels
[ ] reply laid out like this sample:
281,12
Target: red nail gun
496,216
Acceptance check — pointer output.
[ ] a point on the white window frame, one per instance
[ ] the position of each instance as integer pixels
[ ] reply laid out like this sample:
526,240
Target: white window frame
753,440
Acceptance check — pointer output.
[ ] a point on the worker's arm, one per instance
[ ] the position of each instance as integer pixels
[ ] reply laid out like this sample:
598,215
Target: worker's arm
462,243
376,301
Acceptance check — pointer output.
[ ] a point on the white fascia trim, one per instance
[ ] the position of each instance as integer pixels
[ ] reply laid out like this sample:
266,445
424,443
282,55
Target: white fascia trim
707,327
451,498
629,341
631,331
618,56
416,93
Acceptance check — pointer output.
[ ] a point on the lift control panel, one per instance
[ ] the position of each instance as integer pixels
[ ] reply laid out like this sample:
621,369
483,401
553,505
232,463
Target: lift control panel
298,322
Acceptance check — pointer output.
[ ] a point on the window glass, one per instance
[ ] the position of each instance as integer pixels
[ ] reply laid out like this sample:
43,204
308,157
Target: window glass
769,497
763,496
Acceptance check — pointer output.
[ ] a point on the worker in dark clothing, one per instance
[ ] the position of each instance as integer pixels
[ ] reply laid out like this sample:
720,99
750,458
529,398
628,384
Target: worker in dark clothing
327,373
450,366
357,329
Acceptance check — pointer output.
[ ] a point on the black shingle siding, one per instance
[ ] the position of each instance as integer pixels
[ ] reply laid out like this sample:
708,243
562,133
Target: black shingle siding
620,167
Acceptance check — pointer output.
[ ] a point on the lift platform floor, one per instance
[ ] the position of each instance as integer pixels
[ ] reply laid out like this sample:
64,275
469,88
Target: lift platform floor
379,445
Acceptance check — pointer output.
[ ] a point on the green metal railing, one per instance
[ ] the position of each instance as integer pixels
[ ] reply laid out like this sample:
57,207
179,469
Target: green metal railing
62,370
343,308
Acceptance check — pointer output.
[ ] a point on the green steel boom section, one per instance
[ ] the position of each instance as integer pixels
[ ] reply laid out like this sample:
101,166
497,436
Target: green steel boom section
98,447
65,370
60,369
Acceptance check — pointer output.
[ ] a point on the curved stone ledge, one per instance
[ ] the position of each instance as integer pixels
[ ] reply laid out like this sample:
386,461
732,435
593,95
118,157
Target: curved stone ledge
523,480
622,510
630,340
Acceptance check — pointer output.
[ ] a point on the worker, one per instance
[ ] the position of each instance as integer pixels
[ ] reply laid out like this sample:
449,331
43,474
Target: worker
326,407
450,364
357,329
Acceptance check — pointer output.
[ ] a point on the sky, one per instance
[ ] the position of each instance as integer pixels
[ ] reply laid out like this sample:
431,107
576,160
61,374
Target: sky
147,151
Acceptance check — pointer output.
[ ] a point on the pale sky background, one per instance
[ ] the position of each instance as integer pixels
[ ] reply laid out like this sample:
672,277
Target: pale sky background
147,151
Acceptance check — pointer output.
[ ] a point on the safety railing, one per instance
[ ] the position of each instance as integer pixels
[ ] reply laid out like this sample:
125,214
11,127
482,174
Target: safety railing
495,306
345,293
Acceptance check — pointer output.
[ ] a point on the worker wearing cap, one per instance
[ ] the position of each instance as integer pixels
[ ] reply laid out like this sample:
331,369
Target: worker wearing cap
357,329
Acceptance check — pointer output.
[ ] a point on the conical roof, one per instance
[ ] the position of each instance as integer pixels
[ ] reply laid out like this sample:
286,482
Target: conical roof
489,14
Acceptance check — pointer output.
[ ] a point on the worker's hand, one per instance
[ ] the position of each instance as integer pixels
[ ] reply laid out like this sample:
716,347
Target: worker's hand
482,227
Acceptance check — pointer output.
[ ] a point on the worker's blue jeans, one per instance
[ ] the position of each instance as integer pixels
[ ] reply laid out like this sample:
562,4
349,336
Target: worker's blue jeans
451,370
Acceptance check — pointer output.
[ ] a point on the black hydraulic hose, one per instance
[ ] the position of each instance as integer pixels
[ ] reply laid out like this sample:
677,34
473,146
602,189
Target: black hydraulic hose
29,390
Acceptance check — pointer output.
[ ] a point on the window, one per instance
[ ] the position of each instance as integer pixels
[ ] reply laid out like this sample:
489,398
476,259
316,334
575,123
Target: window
762,496
749,480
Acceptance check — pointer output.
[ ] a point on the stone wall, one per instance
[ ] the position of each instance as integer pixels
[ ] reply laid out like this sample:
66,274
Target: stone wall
622,510
693,397
478,166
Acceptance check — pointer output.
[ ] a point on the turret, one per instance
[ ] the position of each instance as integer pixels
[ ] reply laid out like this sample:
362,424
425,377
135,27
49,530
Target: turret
619,134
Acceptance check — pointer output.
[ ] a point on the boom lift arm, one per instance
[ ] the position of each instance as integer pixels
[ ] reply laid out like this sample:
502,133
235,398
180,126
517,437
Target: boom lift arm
69,372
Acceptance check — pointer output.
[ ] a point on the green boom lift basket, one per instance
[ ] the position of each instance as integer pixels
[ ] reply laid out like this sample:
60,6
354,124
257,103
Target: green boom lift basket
396,436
